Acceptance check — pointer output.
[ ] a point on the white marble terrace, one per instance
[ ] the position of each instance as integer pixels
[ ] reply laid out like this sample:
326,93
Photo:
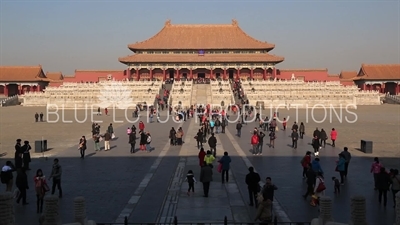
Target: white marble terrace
221,91
297,93
82,95
181,94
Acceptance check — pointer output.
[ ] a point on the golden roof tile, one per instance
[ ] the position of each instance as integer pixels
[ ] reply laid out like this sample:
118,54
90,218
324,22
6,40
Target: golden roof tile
379,72
22,73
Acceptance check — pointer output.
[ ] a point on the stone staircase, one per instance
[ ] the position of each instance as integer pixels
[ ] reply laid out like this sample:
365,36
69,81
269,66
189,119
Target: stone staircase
201,94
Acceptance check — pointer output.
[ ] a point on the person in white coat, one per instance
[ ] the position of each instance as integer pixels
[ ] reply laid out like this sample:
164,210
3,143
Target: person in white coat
319,189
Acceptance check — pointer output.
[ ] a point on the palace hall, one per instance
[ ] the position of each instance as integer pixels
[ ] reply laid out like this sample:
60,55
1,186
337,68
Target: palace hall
201,51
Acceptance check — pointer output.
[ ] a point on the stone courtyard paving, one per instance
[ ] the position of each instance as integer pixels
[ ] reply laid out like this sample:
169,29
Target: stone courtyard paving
143,186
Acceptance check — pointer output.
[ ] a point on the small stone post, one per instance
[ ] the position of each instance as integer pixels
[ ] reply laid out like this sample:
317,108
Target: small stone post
7,216
397,208
80,210
51,211
358,211
325,205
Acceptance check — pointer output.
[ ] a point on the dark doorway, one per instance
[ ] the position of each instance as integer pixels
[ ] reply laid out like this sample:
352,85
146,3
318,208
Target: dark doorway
171,74
184,75
201,75
218,75
12,89
231,74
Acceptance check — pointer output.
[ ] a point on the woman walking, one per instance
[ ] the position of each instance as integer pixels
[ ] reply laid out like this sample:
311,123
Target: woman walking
82,146
22,185
376,169
319,189
333,136
40,188
302,130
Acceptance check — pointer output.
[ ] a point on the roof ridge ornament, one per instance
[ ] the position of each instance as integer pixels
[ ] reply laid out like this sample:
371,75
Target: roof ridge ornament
235,22
168,23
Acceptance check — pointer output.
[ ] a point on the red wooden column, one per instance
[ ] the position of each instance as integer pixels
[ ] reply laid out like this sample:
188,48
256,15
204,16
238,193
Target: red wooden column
191,74
265,74
364,87
38,88
6,90
211,73
238,74
164,75
137,74
151,73
224,74
383,88
177,74
274,73
398,89
251,73
19,89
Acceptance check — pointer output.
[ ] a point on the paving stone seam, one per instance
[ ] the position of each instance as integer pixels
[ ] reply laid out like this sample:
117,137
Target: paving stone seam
277,208
135,198
169,208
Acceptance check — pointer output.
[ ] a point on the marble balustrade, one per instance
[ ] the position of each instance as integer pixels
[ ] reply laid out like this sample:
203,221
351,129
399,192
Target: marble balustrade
221,93
82,95
297,93
181,94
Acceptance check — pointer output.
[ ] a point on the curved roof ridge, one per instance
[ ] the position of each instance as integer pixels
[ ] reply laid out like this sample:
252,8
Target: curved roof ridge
247,35
151,38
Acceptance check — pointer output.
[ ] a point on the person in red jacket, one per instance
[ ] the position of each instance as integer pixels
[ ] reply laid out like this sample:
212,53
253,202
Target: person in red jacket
141,126
284,123
333,136
254,142
305,162
202,154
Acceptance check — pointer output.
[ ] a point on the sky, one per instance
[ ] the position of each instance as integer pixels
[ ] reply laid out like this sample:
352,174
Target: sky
85,35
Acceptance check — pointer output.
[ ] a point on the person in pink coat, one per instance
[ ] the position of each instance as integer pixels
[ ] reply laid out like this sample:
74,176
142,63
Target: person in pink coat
333,136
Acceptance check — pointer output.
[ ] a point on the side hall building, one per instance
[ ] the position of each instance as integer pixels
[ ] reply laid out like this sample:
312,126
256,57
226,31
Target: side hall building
201,51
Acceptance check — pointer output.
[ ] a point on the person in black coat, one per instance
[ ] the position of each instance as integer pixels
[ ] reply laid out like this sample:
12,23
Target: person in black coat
199,139
22,185
18,148
323,137
383,182
311,179
252,181
26,154
132,140
143,140
18,162
212,142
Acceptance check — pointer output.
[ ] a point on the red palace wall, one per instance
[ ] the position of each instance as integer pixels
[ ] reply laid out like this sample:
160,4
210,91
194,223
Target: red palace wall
309,75
95,76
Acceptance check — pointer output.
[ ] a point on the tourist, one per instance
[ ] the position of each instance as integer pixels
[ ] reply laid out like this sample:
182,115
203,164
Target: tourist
41,188
128,131
224,123
273,125
317,133
323,137
383,182
305,162
148,142
333,136
179,136
209,159
261,136
264,212
239,129
316,145
107,138
295,137
295,126
22,184
36,117
272,138
18,161
284,123
56,173
27,155
340,167
172,136
395,185
319,189
302,130
82,146
7,177
212,124
212,143
347,157
96,140
253,186
199,139
206,178
141,126
132,140
376,169
41,117
201,156
311,179
18,148
110,130
336,185
191,180
268,190
316,166
217,125
106,111
143,140
98,111
254,142
225,162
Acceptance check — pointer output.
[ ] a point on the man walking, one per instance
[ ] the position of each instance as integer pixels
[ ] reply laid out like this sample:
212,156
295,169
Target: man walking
347,156
212,142
206,174
56,175
252,181
132,140
295,137
239,129
107,139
